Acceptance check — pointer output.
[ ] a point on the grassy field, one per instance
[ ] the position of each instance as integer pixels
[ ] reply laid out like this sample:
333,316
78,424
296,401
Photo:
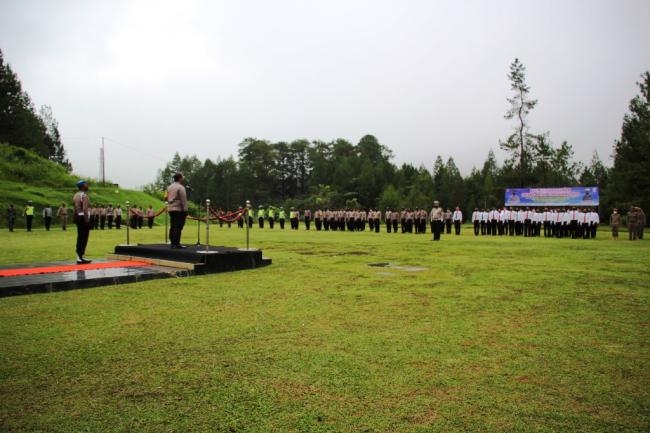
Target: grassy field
467,334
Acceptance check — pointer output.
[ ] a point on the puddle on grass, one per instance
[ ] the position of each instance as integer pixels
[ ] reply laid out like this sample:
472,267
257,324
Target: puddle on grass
401,268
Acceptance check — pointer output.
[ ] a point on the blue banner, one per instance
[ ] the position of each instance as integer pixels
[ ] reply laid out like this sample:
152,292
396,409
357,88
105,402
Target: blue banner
579,196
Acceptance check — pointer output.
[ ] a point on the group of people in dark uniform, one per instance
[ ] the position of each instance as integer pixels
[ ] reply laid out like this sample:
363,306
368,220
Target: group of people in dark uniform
405,221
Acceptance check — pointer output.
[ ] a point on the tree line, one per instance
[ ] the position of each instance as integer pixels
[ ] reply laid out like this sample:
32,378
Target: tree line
22,126
341,174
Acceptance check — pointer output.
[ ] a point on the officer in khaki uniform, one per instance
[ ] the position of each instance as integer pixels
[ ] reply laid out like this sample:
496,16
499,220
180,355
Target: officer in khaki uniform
82,220
615,223
436,217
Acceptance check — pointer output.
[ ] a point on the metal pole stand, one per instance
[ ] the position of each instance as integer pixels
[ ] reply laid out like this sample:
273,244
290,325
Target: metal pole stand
198,225
207,224
248,211
128,220
166,218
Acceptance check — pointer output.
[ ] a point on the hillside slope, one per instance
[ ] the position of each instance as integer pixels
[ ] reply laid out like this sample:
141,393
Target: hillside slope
26,176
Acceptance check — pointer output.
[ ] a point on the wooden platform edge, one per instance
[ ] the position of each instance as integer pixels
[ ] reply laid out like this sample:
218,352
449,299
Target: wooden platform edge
153,261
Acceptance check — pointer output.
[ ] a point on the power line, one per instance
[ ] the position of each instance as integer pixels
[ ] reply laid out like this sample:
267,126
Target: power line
135,149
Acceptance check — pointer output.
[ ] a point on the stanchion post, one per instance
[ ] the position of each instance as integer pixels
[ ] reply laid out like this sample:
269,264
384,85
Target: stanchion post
166,217
248,211
207,224
128,221
198,225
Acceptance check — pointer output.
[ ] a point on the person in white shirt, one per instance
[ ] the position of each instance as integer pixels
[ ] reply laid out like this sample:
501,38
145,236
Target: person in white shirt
546,222
476,220
457,218
503,221
573,222
563,221
594,220
583,224
484,221
493,216
537,218
511,221
519,222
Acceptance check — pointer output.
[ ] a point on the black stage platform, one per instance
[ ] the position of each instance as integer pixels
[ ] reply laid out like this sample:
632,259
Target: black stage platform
201,259
81,278
155,261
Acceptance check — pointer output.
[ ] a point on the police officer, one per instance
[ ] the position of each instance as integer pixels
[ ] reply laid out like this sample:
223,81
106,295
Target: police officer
29,215
260,217
11,217
271,216
436,217
82,220
47,216
615,223
117,217
307,218
177,209
476,220
109,216
457,217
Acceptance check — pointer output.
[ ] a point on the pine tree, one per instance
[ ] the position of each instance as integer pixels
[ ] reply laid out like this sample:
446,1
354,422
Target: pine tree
53,138
630,176
521,141
21,126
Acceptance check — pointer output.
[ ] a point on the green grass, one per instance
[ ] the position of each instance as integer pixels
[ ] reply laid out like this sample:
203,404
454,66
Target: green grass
493,334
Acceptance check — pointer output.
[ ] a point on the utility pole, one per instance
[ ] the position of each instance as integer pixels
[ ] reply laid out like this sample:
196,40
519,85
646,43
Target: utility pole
102,169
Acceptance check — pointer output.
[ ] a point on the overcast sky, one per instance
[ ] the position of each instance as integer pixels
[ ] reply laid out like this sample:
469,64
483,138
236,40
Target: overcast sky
425,77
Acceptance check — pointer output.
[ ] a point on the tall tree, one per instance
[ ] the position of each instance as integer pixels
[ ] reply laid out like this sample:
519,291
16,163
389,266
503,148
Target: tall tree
566,170
595,174
258,159
285,176
390,199
630,175
455,184
53,138
490,191
302,166
188,165
552,167
320,156
19,124
439,175
519,143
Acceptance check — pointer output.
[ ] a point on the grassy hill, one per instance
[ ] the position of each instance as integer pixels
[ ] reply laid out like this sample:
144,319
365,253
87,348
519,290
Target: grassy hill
26,176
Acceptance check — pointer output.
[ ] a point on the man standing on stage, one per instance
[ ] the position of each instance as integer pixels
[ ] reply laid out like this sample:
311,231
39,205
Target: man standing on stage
82,220
177,209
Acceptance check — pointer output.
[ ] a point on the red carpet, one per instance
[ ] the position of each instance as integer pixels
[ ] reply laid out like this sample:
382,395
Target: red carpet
70,268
